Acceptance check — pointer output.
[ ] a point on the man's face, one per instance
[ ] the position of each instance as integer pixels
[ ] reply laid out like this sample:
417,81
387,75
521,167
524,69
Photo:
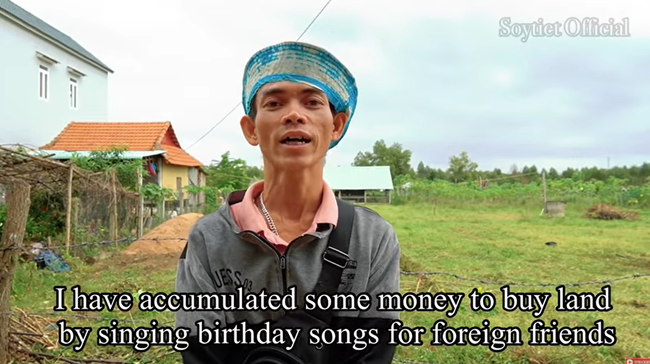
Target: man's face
293,125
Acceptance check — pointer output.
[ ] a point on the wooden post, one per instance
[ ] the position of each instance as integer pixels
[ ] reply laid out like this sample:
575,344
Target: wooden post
193,202
140,205
114,208
76,206
544,190
163,216
179,189
194,198
68,209
12,237
365,196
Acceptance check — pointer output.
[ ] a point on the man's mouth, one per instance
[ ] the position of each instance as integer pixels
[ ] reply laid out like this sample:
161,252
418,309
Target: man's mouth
295,141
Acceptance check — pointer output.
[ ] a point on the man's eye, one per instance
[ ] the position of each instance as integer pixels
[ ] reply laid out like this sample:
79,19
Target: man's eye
272,104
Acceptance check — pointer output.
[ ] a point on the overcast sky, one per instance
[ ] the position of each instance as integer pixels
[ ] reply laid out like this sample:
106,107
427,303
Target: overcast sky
436,78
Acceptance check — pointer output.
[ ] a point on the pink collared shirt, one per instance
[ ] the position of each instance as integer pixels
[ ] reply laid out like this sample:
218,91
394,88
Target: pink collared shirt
249,217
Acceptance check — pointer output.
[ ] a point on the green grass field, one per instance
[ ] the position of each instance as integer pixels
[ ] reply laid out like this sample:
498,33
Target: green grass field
494,244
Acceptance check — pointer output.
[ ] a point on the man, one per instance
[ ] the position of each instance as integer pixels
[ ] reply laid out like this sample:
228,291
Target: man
299,100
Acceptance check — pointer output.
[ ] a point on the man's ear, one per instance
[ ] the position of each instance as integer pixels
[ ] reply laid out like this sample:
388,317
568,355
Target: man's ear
340,120
248,128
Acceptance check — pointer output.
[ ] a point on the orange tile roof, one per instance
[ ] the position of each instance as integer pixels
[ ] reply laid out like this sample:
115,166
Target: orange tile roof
136,136
177,156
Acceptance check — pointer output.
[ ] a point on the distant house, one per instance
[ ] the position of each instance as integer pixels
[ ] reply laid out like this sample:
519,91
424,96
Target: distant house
154,142
47,78
360,184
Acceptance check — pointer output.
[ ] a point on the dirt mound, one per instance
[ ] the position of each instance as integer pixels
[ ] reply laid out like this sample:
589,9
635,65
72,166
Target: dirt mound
166,238
603,211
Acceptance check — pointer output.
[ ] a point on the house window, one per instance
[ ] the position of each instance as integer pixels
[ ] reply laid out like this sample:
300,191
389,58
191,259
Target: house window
43,83
73,94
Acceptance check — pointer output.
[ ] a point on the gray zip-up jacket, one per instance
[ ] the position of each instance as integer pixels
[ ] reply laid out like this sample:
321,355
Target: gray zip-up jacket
219,258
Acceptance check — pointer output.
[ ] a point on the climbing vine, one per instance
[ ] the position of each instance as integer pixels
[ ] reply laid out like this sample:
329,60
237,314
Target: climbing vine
154,193
126,170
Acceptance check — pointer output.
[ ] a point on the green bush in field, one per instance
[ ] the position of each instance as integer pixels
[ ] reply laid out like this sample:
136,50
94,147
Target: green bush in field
613,191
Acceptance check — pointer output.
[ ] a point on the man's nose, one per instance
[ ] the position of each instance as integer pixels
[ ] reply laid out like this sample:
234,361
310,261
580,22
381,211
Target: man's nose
294,114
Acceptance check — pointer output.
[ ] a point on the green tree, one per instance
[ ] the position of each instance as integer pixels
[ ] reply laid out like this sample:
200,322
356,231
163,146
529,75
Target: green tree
231,173
254,172
531,169
126,170
395,156
422,171
569,173
431,174
462,168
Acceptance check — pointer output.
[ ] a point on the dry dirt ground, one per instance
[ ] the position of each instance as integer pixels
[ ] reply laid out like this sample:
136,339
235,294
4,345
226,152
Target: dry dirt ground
157,250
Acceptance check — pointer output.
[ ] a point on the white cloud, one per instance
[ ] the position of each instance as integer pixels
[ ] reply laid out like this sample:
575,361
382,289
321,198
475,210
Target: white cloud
503,77
182,60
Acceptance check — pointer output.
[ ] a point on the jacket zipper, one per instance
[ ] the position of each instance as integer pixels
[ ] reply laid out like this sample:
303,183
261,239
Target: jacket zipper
282,257
283,268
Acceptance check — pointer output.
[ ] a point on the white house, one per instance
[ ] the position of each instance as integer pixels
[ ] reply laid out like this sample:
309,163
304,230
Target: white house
47,79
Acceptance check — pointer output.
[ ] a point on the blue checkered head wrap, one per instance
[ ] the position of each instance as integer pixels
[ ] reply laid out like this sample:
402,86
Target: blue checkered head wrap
303,63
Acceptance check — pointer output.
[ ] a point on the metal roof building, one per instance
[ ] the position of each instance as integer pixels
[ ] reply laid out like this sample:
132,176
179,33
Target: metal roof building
65,155
360,184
